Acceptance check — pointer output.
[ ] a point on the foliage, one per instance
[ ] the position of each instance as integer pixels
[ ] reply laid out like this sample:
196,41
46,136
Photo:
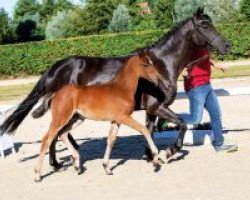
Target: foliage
95,16
34,57
245,9
50,8
163,12
27,28
25,7
218,10
121,19
4,24
55,27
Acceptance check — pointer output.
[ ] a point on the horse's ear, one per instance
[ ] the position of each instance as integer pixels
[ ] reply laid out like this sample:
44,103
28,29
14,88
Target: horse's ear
143,52
199,12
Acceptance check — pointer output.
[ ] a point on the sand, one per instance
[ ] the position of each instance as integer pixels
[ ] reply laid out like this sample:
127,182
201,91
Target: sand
197,173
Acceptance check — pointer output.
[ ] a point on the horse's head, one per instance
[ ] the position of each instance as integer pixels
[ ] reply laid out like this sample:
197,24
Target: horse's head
204,33
147,68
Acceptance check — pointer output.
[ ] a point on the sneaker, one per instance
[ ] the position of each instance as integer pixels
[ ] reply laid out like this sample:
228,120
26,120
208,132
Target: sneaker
227,148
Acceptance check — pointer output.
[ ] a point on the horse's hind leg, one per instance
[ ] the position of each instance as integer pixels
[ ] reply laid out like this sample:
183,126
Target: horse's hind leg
129,121
46,141
69,126
110,142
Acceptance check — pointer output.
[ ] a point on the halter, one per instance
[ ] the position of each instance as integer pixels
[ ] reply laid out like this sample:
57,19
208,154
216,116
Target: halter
197,61
202,34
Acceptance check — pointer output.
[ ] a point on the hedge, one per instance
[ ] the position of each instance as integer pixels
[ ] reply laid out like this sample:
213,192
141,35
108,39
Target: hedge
35,57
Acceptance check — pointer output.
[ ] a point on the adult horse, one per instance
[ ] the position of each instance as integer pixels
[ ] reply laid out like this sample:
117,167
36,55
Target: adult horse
171,54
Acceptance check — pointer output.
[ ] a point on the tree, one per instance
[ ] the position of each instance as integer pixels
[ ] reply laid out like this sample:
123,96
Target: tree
245,9
163,12
55,27
120,20
4,24
24,7
50,8
94,18
24,30
218,10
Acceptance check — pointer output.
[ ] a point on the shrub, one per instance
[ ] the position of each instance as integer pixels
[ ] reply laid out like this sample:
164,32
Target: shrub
35,57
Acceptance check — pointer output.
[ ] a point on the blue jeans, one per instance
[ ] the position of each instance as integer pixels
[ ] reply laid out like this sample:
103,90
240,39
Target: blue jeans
204,97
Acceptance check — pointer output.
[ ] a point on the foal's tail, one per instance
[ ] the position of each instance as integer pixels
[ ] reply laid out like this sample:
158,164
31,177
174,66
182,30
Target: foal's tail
15,119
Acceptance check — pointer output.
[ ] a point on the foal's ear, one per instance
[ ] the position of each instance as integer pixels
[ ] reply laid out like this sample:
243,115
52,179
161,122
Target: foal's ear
142,53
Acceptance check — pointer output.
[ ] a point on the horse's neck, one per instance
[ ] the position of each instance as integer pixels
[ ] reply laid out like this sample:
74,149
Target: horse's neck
127,79
173,54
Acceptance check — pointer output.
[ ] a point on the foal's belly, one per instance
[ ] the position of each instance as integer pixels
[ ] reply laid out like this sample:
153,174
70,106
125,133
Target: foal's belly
103,105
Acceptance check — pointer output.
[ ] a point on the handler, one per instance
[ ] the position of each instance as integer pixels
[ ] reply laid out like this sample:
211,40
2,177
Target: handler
201,95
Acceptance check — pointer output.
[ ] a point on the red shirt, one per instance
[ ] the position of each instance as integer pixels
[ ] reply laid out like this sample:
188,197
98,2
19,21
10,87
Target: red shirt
200,73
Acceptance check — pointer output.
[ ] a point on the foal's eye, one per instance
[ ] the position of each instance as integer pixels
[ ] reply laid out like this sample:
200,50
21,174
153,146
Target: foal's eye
145,65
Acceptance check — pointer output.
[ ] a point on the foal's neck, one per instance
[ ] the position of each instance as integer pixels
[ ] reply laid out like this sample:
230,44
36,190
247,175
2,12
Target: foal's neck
127,79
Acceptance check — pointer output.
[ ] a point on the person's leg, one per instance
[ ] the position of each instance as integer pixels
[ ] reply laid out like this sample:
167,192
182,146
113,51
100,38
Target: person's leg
213,108
214,111
197,98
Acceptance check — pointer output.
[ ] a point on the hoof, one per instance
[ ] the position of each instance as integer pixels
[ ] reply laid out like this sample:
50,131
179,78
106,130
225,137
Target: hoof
81,170
57,166
107,170
38,179
157,166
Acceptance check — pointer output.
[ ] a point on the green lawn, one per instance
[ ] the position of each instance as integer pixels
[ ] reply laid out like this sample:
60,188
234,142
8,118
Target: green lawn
19,91
14,91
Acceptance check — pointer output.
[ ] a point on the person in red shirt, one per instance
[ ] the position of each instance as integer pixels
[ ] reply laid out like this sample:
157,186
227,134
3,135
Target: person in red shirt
201,95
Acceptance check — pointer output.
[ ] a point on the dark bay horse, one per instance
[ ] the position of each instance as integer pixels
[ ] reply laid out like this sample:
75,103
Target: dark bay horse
113,101
171,54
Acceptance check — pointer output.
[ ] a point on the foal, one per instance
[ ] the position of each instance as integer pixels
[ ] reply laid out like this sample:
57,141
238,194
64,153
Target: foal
113,102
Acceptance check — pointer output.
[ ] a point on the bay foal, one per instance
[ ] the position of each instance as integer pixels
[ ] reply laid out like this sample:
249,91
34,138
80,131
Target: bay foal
113,102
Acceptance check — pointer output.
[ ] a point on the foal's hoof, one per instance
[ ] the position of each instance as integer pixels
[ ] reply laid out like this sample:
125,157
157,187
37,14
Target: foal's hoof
38,179
107,170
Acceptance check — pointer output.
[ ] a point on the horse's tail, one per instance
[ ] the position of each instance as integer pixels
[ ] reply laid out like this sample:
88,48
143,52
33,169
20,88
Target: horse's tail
43,108
15,119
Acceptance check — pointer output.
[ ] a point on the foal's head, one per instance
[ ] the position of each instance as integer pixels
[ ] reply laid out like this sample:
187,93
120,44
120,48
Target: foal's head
145,67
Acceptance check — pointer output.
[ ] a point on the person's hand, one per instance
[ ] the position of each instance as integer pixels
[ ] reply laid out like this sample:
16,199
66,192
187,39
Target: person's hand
223,68
220,67
185,72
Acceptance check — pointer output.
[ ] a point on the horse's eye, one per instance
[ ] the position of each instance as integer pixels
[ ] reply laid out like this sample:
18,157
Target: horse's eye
145,65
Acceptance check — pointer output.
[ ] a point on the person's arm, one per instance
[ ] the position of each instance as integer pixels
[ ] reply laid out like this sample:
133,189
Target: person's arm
220,67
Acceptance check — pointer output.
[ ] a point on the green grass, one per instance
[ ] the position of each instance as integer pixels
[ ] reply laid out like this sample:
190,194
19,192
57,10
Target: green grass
232,72
19,91
14,92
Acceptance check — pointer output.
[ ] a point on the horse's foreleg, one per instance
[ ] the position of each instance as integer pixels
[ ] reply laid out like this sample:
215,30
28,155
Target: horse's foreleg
150,121
73,151
110,142
168,114
52,155
129,121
